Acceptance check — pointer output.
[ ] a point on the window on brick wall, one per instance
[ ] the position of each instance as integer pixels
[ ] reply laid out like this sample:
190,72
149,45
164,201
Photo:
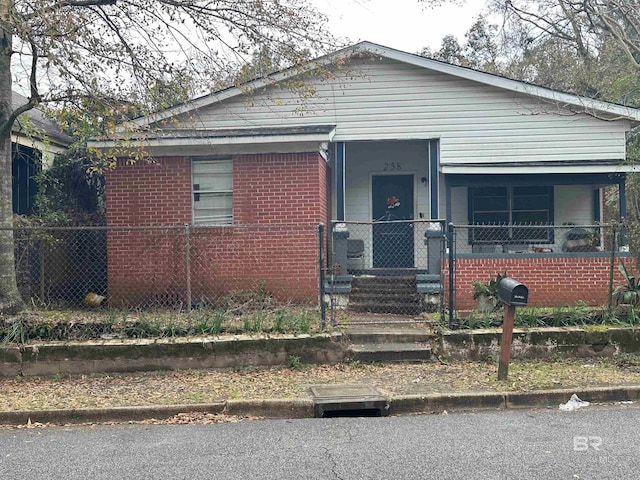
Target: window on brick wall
511,209
212,192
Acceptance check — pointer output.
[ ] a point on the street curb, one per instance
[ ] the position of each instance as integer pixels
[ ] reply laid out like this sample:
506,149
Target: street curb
437,403
271,408
304,408
556,397
267,408
100,415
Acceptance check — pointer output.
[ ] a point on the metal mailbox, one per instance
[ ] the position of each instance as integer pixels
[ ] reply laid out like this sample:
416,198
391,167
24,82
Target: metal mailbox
512,292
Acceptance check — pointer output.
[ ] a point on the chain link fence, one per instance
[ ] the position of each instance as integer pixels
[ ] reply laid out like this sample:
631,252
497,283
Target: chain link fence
530,238
60,265
182,268
380,269
386,267
562,265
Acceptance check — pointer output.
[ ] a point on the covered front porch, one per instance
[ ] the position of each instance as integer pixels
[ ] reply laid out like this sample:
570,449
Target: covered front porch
390,190
393,202
384,194
496,203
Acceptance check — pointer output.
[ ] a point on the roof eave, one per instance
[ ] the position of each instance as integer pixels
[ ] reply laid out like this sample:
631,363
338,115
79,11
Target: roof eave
234,140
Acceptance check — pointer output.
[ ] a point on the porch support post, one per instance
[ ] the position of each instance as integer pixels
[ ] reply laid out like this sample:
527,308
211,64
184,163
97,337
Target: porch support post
340,181
622,197
448,200
434,160
622,202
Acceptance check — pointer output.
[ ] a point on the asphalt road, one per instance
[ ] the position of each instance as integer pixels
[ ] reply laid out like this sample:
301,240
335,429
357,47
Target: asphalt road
592,443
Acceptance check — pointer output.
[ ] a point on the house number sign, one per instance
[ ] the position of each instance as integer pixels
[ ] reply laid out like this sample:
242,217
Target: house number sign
392,167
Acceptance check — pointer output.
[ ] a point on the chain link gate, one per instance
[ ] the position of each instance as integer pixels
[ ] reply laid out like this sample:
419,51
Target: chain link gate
386,269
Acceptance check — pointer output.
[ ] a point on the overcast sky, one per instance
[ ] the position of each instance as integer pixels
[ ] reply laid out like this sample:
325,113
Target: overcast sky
405,25
402,24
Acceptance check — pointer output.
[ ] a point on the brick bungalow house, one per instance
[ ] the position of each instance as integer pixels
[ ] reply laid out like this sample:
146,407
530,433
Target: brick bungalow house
452,143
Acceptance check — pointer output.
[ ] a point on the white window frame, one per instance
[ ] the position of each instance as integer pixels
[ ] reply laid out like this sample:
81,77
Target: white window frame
196,191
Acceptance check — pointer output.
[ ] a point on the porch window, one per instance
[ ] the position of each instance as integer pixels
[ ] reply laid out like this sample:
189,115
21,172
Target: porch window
508,206
212,192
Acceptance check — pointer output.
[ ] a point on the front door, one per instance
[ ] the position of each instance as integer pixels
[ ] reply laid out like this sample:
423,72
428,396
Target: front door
392,199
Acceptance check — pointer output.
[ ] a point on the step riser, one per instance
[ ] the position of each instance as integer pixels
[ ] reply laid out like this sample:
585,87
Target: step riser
398,287
375,337
392,295
369,301
394,309
403,356
384,293
383,285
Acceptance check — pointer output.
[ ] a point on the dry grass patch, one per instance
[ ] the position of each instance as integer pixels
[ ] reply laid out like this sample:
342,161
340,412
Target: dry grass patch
205,386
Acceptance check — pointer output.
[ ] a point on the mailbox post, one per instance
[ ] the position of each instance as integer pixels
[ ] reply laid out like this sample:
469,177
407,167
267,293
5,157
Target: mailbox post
512,294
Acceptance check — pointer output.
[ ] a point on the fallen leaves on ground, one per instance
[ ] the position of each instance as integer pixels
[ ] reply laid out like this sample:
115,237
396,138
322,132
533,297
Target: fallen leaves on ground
207,386
187,418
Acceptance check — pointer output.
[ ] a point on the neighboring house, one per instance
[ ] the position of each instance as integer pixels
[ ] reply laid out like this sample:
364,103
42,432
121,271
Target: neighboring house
448,142
35,141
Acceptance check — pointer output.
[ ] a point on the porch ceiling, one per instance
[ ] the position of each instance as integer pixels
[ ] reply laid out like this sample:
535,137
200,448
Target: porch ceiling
573,178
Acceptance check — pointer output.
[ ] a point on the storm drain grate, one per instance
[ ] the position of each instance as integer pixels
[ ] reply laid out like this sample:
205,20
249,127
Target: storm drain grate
348,401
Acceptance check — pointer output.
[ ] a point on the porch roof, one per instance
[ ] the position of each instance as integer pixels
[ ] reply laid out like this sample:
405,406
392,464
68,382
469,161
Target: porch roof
541,168
229,141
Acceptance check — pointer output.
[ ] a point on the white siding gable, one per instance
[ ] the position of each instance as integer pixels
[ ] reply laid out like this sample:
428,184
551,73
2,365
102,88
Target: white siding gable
383,99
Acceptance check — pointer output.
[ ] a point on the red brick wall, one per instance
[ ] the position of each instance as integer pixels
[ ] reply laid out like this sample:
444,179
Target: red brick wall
281,259
146,194
552,281
279,200
279,189
141,264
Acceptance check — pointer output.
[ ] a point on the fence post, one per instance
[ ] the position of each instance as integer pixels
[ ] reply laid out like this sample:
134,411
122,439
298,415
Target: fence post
323,307
450,241
611,266
187,262
42,272
443,254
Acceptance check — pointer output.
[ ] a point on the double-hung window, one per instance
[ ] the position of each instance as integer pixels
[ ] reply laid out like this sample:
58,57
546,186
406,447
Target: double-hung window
509,210
212,192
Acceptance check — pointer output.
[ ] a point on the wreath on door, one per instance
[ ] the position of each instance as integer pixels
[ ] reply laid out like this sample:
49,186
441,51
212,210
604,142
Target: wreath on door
393,202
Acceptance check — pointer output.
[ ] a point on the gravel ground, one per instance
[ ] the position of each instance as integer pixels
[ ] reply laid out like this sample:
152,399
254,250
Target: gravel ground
204,386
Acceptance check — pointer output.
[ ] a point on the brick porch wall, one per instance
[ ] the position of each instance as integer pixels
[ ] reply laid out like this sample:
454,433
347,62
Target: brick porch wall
552,281
279,200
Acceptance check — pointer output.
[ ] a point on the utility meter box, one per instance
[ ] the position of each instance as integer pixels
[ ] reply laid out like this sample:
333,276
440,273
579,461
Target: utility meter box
512,292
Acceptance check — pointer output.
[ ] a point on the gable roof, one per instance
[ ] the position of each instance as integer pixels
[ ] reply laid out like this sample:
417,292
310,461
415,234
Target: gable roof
586,104
36,121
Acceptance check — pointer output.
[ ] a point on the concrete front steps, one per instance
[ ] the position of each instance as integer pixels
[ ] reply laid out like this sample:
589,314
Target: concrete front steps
385,294
378,344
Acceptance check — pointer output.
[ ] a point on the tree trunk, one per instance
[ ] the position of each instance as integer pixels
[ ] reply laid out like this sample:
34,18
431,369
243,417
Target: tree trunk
10,299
